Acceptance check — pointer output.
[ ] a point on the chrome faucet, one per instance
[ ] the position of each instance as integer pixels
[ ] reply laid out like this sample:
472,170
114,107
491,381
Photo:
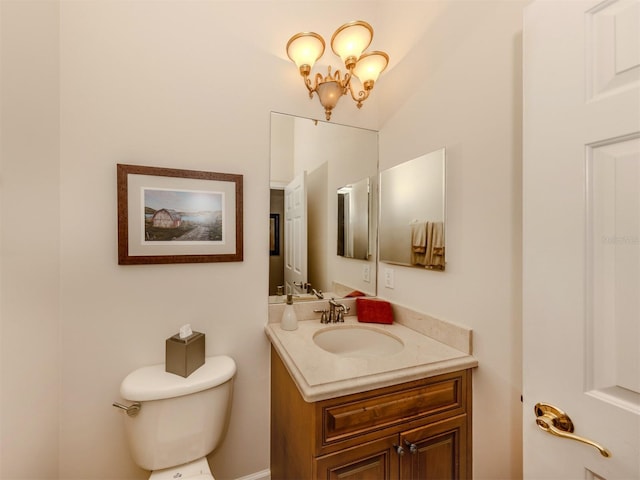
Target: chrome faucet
317,293
336,311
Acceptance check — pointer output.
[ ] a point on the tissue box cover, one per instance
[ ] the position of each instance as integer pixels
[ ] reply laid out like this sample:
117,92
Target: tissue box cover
184,355
373,311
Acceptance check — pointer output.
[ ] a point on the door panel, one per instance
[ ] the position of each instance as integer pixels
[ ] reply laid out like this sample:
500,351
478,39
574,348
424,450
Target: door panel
436,452
295,234
581,230
375,460
613,267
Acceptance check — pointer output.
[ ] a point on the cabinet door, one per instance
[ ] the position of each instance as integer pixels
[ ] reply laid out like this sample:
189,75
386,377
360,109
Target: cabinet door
375,460
436,452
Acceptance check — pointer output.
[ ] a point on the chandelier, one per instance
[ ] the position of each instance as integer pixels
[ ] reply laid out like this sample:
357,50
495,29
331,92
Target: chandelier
349,42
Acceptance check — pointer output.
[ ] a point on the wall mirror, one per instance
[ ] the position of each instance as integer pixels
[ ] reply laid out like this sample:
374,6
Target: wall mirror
412,213
310,161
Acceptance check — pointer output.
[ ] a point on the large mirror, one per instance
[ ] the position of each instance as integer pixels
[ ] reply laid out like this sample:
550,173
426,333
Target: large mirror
412,213
311,161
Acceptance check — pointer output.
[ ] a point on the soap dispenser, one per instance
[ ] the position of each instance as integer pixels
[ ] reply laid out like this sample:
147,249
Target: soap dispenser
289,319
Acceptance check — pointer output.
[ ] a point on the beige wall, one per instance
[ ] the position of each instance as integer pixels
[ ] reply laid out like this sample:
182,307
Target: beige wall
169,84
152,83
460,88
29,240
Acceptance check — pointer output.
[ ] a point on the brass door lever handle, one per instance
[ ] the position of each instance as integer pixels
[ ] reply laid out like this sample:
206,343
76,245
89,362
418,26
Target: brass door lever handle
556,422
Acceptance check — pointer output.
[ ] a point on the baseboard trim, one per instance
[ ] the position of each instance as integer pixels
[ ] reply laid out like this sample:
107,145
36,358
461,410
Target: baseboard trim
262,475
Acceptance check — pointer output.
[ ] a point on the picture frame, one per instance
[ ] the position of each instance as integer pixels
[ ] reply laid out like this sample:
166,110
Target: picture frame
170,215
274,234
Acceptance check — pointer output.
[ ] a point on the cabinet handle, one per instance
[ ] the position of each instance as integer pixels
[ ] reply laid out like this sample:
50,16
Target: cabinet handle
413,448
399,449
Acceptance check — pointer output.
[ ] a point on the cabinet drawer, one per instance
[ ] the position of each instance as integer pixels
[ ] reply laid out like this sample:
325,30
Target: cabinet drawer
417,401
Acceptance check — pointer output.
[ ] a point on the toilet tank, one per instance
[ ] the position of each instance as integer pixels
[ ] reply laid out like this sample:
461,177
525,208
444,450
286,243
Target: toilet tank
180,419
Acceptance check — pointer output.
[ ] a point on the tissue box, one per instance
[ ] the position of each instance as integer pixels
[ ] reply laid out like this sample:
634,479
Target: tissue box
184,355
373,311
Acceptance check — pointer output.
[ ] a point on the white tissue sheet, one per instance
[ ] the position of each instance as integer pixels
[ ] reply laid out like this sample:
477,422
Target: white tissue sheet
185,331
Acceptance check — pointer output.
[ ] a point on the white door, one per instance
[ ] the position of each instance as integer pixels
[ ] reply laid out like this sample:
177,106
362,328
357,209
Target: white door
581,229
295,234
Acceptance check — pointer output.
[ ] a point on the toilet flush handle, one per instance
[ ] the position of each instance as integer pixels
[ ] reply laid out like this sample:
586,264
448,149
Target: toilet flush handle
132,410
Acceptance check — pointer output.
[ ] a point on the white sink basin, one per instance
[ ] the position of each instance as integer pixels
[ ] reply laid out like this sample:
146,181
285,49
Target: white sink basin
357,341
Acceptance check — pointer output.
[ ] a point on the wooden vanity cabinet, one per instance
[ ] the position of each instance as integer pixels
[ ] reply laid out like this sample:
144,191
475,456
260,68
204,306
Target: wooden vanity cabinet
360,436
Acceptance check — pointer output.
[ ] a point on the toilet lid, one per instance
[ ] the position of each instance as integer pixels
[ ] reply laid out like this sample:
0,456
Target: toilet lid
155,383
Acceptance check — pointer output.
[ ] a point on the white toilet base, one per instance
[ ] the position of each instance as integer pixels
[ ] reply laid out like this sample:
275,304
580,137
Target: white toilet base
196,470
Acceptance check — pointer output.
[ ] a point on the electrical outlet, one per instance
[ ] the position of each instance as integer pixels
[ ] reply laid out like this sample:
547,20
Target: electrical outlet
388,277
366,273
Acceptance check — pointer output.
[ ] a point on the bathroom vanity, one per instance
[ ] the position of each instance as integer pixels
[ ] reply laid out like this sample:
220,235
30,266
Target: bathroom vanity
416,430
405,415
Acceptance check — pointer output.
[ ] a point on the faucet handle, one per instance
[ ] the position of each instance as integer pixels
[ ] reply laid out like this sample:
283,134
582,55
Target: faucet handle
323,316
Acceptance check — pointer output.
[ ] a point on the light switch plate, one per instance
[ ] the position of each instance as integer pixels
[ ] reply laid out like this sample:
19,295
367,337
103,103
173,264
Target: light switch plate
366,273
388,277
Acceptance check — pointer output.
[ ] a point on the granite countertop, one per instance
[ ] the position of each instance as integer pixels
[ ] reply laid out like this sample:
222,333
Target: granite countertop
320,375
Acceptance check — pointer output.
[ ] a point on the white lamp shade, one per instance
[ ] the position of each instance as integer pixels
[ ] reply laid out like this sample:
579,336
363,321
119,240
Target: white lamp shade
351,39
305,48
370,66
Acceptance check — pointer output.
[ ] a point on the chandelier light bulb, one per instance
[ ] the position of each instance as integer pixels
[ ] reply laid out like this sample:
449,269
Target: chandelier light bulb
305,48
351,39
370,66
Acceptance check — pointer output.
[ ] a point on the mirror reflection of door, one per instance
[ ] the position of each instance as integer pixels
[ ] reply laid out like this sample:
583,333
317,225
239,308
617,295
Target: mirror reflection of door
295,234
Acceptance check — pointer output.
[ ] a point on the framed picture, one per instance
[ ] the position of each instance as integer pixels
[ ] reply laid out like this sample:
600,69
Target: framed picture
167,215
274,234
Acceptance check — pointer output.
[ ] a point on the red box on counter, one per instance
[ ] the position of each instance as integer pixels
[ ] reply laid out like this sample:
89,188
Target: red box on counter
370,310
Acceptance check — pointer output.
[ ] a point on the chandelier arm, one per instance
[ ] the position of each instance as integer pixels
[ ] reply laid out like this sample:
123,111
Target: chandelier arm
317,80
346,83
361,97
307,83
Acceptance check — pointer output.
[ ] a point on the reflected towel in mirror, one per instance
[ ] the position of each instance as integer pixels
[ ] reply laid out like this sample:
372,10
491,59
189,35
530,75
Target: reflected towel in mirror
427,244
435,246
418,242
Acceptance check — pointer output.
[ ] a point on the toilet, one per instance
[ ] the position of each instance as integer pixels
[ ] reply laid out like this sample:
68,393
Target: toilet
175,422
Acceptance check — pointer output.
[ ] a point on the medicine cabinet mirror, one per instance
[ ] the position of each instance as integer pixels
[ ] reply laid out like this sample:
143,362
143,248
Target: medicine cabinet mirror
412,213
310,161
